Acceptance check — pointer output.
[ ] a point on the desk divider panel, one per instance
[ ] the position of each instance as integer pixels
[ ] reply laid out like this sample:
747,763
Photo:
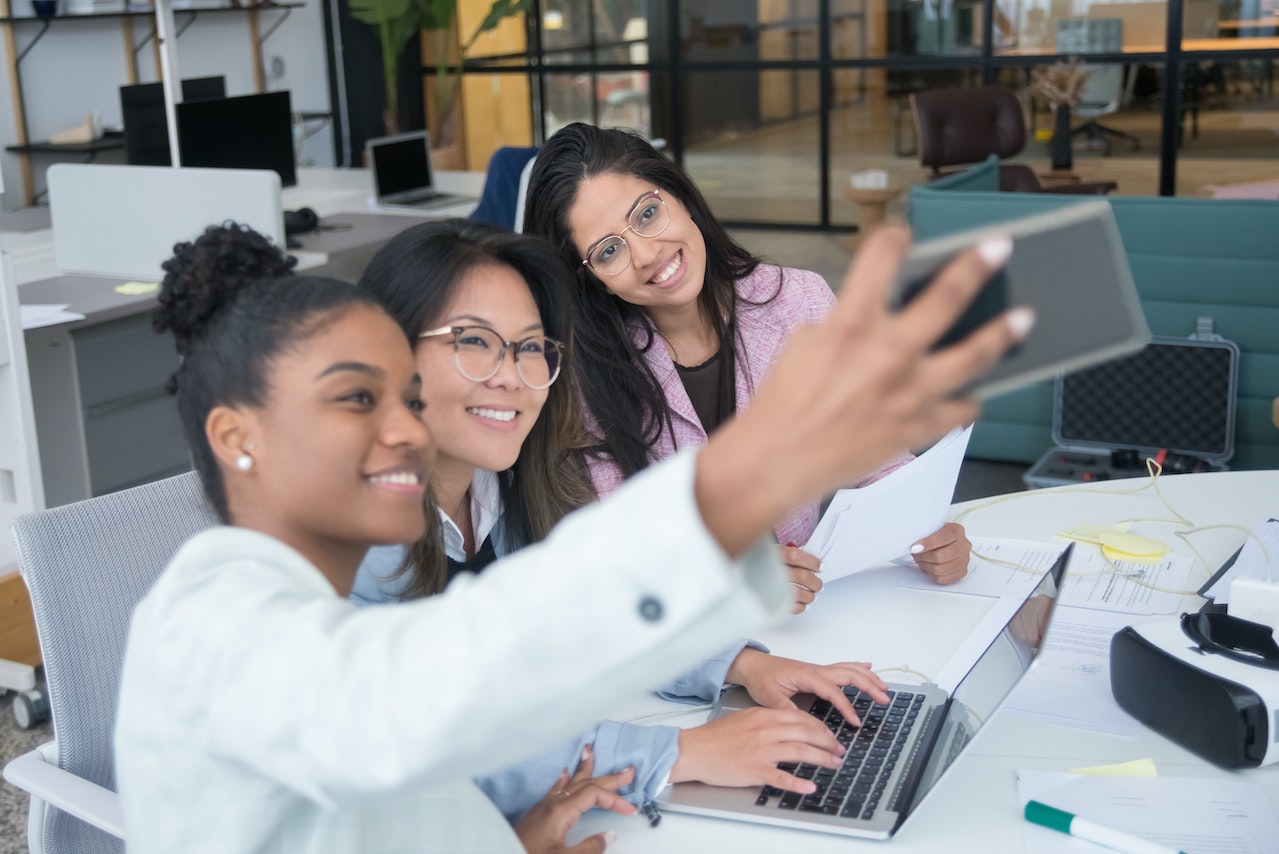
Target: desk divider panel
124,220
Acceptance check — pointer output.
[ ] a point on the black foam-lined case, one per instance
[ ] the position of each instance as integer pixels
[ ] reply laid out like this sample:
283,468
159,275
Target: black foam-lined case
1173,400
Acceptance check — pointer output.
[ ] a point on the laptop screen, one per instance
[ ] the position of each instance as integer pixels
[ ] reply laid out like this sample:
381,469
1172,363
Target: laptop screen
400,163
992,677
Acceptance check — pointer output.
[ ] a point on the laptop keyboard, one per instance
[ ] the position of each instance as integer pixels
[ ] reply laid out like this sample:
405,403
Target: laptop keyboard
855,789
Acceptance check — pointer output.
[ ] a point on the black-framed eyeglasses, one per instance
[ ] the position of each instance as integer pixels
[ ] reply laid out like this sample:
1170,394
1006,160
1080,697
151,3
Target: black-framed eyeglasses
478,352
648,217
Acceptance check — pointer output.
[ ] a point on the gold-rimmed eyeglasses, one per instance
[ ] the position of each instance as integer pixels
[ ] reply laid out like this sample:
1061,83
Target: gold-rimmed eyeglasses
648,217
478,353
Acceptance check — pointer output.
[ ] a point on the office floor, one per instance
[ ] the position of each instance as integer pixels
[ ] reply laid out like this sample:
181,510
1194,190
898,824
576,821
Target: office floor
13,803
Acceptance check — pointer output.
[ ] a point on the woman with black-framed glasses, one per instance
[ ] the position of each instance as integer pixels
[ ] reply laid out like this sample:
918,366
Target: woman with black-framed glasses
506,424
675,322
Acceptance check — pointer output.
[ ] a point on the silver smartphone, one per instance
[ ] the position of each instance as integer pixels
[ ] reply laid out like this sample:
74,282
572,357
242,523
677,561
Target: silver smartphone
1069,265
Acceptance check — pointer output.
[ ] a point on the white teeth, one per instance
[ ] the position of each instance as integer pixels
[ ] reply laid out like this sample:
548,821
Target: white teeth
401,478
669,271
495,414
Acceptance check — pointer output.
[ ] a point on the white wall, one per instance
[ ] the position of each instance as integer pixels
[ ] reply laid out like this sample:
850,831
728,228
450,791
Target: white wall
79,66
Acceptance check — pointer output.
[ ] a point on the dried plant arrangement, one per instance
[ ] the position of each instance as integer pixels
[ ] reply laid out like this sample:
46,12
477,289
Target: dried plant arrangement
1061,83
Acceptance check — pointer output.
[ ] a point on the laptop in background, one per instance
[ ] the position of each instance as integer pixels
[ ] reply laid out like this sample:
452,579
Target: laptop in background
900,751
402,175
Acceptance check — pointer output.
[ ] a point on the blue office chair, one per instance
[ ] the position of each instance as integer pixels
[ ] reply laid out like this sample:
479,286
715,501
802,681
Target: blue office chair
501,200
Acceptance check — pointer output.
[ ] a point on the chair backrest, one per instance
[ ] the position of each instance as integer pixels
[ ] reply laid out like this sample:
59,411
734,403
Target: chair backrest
1103,92
521,195
500,202
87,565
956,127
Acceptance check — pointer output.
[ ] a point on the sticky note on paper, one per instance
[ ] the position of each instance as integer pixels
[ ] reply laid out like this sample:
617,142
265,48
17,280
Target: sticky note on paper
1118,546
136,289
1135,768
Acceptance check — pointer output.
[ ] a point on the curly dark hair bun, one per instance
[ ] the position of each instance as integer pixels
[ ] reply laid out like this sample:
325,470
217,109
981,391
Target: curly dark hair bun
207,273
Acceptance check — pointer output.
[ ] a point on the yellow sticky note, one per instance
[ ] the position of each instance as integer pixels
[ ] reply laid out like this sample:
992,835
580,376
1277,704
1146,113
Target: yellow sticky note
1135,768
137,289
1091,532
1117,546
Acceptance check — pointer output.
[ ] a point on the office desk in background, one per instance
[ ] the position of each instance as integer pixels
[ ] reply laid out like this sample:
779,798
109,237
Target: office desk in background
975,808
103,420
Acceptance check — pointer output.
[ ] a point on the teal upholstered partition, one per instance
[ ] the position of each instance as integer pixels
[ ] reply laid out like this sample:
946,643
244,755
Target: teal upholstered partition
1190,258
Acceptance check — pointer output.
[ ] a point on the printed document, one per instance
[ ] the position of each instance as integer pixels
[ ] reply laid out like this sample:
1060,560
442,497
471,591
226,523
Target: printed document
1001,567
1070,682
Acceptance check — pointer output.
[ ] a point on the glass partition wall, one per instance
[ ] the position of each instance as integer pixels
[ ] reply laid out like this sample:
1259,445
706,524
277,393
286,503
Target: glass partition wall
772,105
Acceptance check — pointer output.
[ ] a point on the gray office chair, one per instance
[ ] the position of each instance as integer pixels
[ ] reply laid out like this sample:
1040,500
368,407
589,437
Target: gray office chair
1104,92
87,565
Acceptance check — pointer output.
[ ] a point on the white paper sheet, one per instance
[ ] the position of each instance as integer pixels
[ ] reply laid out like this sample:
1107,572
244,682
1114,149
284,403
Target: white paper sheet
1013,567
1070,682
1198,815
877,523
1258,559
35,316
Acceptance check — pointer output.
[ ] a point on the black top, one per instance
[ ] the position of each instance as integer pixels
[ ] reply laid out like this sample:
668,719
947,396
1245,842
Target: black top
481,559
702,384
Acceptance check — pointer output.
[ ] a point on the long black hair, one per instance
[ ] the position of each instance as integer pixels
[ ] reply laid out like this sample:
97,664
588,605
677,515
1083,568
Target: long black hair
617,385
415,277
232,306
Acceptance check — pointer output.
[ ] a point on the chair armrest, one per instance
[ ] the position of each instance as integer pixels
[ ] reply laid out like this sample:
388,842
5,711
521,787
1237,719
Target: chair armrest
1095,188
73,795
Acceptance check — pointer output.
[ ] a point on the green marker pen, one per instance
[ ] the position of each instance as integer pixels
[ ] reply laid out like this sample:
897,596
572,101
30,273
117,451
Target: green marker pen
1082,828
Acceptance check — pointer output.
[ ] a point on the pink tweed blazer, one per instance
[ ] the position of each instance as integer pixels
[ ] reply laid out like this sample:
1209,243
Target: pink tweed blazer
804,297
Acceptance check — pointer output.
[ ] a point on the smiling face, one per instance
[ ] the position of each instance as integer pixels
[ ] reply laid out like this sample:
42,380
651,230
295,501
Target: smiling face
480,424
667,271
340,454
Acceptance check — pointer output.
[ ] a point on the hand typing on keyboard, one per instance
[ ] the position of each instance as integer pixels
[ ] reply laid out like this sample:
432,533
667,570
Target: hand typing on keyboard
745,747
865,778
772,680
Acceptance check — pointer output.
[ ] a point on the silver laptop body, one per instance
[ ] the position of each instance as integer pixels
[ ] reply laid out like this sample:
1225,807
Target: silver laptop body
920,733
402,173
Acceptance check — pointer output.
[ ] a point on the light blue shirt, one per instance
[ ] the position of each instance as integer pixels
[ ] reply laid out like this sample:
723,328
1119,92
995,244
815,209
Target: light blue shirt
652,750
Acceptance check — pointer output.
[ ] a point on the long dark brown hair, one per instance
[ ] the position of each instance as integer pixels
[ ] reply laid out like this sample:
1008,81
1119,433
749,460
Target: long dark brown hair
415,276
617,385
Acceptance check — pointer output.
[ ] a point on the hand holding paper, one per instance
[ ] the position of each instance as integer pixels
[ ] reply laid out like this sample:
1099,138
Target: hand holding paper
878,523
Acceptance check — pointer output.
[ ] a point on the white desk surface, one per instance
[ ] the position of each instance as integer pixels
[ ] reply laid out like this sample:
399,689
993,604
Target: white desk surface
975,807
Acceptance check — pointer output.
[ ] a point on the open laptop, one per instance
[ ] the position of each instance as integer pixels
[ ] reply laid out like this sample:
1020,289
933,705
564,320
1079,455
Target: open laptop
900,751
401,166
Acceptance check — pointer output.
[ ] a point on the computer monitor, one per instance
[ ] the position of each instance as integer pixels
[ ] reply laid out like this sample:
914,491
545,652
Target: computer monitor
146,133
247,132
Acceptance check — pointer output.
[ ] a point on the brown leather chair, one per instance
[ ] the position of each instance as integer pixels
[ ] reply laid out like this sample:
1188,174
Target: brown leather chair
958,127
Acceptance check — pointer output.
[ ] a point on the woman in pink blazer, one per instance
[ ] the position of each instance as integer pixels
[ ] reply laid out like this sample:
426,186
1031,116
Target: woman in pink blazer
675,323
